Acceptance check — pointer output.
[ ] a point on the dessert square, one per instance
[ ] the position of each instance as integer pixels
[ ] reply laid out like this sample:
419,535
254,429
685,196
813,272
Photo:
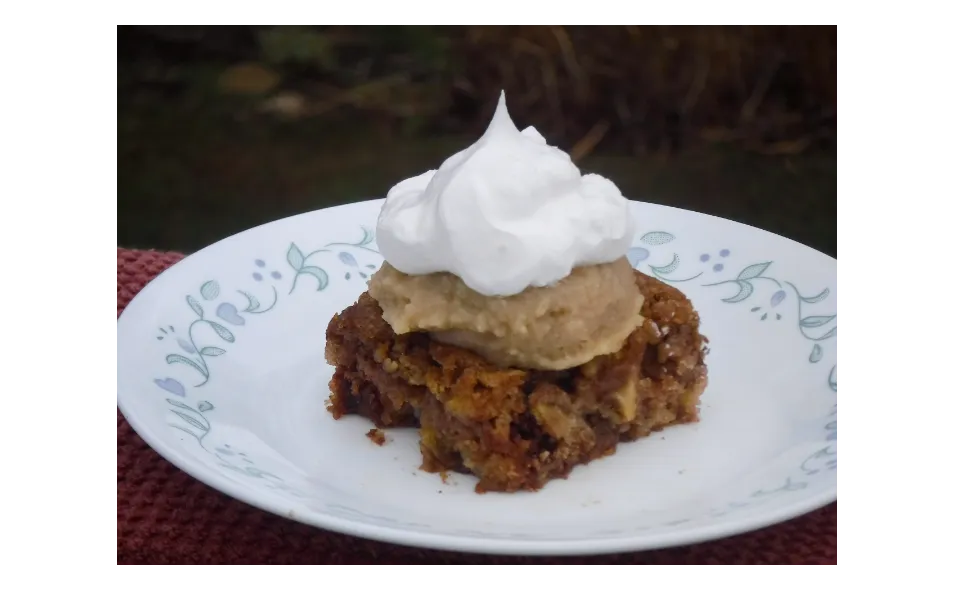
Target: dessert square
517,429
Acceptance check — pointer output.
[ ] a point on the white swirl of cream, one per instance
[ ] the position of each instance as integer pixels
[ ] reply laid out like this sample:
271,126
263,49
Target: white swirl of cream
507,213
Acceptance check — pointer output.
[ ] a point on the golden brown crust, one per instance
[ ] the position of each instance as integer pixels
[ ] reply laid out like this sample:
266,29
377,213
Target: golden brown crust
517,429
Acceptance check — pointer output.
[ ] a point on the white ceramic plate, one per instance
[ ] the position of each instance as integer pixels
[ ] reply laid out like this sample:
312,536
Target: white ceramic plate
221,370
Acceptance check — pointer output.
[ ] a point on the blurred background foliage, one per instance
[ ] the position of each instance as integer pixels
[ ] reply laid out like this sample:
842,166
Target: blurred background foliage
222,128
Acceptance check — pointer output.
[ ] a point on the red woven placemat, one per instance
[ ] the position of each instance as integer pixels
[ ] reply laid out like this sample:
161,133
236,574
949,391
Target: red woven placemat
166,516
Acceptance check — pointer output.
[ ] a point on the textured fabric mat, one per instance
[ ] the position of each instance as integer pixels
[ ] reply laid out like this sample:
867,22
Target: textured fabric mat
164,516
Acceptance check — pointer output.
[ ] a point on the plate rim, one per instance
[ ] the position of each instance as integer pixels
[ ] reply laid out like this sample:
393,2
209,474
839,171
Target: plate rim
659,539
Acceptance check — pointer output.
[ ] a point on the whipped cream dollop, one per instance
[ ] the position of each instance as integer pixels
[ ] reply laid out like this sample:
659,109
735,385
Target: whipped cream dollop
507,213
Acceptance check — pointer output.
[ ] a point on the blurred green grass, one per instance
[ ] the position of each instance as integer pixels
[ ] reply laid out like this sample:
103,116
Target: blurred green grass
193,165
767,88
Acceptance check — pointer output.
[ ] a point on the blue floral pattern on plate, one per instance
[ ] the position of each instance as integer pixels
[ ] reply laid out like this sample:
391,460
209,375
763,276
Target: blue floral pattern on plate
358,259
202,334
